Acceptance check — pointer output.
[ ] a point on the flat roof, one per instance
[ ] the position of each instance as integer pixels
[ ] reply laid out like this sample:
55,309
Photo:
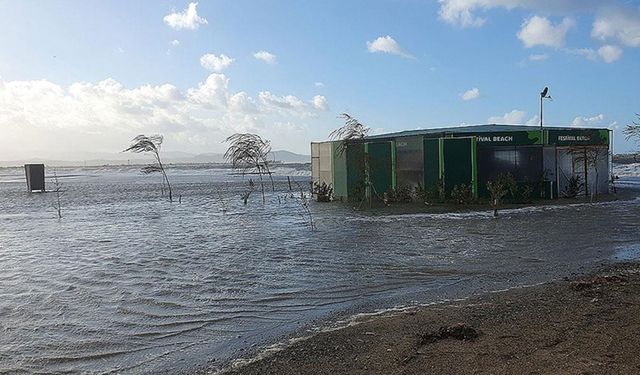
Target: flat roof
484,128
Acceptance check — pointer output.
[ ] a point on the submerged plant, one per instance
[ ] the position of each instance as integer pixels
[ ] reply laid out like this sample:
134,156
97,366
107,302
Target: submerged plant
143,143
57,188
246,194
462,194
497,190
323,192
248,153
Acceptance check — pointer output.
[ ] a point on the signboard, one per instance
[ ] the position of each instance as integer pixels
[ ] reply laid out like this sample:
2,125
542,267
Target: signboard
519,138
578,137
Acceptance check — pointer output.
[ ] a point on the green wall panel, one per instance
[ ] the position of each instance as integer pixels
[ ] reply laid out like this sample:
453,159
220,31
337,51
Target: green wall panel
457,162
339,171
380,166
355,164
431,163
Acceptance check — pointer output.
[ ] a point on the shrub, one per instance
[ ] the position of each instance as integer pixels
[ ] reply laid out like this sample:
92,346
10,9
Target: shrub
425,194
573,188
462,194
323,192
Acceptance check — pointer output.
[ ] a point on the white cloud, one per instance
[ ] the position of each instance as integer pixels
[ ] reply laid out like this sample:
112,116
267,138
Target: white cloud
386,44
319,84
320,103
265,56
538,57
621,25
610,53
606,53
288,103
587,53
187,19
539,31
175,43
463,13
471,94
511,118
104,116
588,121
215,63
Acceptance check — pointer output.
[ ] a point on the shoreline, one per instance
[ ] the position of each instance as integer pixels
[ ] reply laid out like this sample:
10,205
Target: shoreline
579,325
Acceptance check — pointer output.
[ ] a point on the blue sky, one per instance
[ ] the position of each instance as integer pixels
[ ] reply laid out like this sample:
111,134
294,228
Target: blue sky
92,74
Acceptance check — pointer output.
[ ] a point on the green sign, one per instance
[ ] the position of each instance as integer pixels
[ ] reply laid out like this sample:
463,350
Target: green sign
519,138
578,137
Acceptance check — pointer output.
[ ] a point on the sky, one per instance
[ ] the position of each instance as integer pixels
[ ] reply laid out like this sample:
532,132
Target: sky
79,78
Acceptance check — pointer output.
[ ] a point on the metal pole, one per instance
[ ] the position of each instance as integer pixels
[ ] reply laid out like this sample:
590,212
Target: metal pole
541,131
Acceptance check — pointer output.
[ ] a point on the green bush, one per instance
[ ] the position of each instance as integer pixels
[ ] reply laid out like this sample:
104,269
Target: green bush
323,192
462,194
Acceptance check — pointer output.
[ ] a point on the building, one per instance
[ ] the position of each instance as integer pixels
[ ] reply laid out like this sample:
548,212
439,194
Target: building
471,155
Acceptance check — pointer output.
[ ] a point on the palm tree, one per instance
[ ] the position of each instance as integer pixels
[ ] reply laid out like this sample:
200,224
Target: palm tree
352,130
633,130
249,152
143,143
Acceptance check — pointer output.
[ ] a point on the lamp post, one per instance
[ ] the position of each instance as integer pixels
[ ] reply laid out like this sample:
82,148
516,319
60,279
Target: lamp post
543,95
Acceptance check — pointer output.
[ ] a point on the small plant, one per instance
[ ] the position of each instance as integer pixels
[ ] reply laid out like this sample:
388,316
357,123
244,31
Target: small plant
404,194
323,192
223,202
245,195
510,185
425,195
303,200
57,188
497,190
574,187
307,216
462,194
442,193
143,143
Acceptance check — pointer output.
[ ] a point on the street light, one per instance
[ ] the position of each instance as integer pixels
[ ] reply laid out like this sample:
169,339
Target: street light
543,95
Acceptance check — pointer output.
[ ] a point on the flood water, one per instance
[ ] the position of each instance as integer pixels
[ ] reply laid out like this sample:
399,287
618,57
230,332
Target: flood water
128,283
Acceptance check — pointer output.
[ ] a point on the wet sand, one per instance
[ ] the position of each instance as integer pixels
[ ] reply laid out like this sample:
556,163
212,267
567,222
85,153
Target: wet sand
587,325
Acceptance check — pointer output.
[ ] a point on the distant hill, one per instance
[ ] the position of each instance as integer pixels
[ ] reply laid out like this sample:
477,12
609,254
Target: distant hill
168,157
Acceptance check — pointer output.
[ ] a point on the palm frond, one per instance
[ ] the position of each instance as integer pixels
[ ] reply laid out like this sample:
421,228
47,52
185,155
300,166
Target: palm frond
143,143
633,130
352,131
247,151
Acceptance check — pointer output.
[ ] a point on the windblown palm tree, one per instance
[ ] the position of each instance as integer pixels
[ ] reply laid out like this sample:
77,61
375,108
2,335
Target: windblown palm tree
633,130
352,131
248,153
143,143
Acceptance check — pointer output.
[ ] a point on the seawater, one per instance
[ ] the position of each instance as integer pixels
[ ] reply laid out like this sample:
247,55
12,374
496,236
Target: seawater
127,282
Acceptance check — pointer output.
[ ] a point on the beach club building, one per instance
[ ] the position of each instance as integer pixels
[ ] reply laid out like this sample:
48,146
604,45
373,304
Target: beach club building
472,155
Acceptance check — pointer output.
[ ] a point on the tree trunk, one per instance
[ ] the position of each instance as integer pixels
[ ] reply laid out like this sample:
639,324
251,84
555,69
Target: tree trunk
166,179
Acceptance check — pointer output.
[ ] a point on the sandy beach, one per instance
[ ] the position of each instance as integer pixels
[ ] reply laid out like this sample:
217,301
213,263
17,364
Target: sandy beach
584,325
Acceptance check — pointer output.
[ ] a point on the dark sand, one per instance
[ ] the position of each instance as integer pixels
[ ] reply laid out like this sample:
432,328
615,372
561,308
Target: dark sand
590,325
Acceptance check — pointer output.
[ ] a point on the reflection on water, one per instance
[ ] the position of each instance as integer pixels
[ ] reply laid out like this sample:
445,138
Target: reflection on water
127,282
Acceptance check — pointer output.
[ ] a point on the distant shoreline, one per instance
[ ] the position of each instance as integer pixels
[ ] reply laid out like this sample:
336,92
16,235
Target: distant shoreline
583,324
